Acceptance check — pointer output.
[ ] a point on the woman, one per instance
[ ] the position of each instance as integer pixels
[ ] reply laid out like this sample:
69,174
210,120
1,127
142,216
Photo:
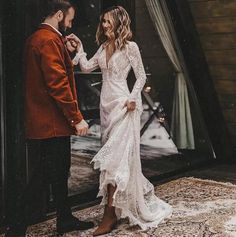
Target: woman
125,191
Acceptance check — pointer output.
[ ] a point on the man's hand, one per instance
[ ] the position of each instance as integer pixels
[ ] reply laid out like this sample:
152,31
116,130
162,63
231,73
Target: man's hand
81,128
131,105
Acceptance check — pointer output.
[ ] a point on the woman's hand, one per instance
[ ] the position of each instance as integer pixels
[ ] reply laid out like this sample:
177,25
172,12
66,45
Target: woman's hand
71,45
73,37
131,105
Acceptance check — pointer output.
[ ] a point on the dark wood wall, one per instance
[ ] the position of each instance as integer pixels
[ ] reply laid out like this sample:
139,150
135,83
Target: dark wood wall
13,37
216,25
2,128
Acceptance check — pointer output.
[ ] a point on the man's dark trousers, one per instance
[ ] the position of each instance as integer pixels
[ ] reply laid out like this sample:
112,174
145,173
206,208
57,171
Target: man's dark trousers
50,167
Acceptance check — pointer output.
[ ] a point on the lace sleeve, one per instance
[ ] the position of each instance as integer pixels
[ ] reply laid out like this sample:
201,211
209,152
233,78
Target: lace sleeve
137,65
85,64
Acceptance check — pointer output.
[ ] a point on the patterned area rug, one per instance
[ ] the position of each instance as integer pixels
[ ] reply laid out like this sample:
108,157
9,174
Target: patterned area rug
201,208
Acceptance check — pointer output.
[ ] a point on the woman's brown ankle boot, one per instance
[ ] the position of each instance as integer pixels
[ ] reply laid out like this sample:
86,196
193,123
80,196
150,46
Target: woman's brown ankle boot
108,223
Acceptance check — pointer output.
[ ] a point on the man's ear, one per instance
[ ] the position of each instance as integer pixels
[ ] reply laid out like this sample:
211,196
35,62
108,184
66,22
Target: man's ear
59,15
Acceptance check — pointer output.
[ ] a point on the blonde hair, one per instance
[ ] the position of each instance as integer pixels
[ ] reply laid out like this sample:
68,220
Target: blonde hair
120,31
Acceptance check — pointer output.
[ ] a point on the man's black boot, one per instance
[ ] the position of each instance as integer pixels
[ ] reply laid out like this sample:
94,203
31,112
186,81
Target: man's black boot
71,223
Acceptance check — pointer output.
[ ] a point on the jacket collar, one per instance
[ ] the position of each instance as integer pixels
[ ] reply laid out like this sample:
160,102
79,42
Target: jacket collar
50,27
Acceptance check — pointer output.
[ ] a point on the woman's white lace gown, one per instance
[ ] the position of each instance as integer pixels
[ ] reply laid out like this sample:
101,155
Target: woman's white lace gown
119,157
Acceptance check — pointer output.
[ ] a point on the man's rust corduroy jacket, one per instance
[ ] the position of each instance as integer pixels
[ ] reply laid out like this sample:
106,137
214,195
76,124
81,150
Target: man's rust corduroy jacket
51,107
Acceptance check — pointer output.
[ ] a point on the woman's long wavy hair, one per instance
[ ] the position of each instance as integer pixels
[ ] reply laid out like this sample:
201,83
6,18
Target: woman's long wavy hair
120,30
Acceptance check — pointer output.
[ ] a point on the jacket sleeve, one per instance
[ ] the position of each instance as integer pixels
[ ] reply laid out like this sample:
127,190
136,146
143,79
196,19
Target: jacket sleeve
56,79
85,64
137,65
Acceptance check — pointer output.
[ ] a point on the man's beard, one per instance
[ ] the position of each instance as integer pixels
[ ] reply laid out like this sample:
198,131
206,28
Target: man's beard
61,27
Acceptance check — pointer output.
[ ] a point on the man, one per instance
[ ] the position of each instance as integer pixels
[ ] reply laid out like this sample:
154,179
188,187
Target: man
51,114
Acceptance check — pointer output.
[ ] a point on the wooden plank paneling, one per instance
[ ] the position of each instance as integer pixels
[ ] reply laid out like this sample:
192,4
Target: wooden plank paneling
227,72
222,57
216,8
226,87
216,25
218,41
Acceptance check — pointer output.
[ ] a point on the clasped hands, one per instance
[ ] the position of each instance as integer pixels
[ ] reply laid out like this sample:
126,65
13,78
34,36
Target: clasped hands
73,42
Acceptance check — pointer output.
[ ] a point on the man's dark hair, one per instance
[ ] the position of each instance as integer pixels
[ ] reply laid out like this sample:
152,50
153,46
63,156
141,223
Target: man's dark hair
53,6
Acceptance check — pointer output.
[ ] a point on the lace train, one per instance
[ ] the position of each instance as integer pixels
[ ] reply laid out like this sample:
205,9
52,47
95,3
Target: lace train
120,165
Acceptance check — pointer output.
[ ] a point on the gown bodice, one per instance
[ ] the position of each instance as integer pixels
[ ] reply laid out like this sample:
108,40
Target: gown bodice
116,70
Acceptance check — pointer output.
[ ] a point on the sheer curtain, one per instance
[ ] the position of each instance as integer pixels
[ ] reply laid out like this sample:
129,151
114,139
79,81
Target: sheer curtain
181,125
